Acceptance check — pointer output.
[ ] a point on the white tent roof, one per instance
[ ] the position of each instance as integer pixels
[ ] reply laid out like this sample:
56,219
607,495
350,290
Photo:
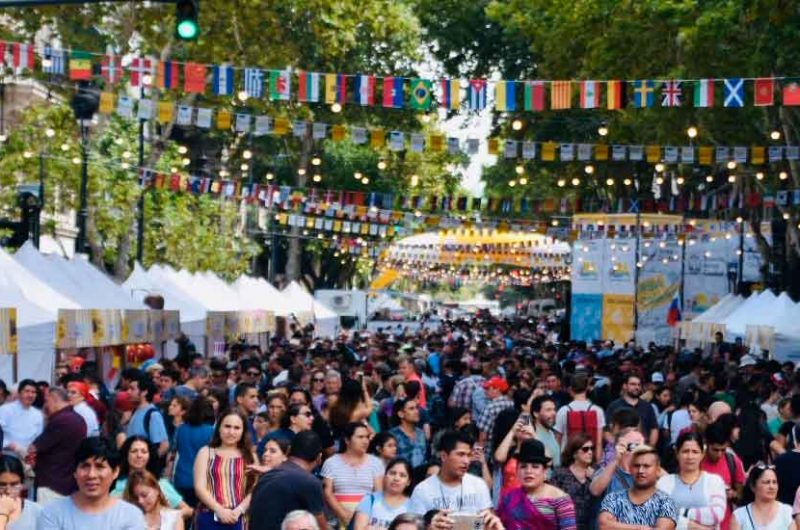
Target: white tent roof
261,294
142,283
301,300
759,310
724,307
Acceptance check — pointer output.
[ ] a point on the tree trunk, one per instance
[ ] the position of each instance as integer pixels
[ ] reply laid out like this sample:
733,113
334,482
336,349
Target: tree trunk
294,261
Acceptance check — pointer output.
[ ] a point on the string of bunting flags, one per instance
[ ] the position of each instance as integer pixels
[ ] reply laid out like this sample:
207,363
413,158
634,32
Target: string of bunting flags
398,92
395,140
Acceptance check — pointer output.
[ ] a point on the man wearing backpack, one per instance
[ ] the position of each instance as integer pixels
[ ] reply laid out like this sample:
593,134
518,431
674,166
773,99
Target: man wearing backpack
147,420
581,416
721,460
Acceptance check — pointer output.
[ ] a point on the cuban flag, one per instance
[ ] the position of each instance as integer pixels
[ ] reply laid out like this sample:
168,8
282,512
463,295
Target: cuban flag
223,80
674,313
476,94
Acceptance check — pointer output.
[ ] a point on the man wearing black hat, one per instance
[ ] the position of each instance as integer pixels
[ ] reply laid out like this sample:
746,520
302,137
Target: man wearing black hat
642,505
290,486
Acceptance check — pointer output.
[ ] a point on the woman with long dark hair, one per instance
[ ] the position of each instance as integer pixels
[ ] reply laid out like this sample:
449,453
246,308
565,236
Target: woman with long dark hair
222,483
353,405
575,475
762,509
194,434
384,446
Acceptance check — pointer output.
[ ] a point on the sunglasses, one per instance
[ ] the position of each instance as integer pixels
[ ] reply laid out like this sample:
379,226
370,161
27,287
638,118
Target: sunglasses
587,448
253,374
307,414
762,466
319,379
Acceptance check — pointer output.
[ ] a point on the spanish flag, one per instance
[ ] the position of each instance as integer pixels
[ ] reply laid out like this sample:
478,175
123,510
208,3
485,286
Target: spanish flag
80,66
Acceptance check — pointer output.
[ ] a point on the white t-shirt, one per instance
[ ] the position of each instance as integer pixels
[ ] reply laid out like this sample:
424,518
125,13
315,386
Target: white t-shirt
89,417
561,417
20,425
64,515
679,421
781,521
379,514
471,497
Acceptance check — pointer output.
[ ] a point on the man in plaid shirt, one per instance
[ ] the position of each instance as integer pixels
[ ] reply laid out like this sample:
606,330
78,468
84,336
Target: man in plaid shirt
496,388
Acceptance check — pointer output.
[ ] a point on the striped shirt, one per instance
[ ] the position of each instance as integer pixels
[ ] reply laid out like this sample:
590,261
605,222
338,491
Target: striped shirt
226,479
351,483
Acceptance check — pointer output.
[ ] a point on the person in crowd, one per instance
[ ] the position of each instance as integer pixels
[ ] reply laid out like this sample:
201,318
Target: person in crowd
553,385
352,405
221,481
261,427
787,466
496,389
640,505
190,437
408,370
699,496
147,421
535,504
631,391
762,510
78,393
137,456
144,491
409,437
317,387
721,460
299,520
52,453
196,384
622,422
616,475
176,411
507,450
675,422
384,446
581,416
96,465
245,398
350,475
333,384
408,521
377,510
301,396
276,452
543,411
576,475
24,513
20,421
298,418
276,408
167,382
290,487
452,489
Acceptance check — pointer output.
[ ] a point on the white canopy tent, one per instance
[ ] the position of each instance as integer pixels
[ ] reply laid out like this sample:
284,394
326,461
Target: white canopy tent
326,321
37,307
260,294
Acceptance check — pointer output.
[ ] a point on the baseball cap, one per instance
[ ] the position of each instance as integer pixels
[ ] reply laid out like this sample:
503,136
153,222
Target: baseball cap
657,377
496,382
747,360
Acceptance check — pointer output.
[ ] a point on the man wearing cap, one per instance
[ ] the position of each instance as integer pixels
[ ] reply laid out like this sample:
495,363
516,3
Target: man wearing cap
496,388
78,393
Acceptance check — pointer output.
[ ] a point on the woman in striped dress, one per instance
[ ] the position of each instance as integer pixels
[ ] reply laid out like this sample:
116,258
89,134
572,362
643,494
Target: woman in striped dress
222,482
535,504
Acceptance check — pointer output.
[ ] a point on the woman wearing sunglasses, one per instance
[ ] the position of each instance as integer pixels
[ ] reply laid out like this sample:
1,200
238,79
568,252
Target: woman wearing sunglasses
762,510
576,475
700,497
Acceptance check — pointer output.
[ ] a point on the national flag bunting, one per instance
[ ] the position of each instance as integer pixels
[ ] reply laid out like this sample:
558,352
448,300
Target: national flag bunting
451,93
393,92
335,89
80,66
53,61
476,94
254,82
791,93
505,96
764,92
167,75
22,56
615,95
643,93
704,93
222,80
280,85
534,96
421,96
308,87
671,94
733,92
590,94
560,95
194,78
110,67
141,68
365,90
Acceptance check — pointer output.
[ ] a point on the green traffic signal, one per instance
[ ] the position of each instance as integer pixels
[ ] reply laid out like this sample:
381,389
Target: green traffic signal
188,29
186,16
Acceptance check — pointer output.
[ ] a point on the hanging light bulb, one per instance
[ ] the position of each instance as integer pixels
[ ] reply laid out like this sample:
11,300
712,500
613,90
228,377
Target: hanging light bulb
786,216
609,181
516,124
125,154
414,180
523,181
576,181
247,154
381,164
561,183
783,175
760,175
357,175
512,183
627,182
316,160
680,181
317,177
731,178
520,169
554,222
336,107
49,133
243,95
731,164
185,161
775,134
3,137
659,167
124,165
709,178
301,171
27,154
182,149
269,175
589,169
76,160
365,180
64,147
223,172
691,132
603,129
659,180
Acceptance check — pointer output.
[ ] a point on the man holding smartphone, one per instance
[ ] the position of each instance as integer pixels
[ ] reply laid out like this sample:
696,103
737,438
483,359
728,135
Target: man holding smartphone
456,495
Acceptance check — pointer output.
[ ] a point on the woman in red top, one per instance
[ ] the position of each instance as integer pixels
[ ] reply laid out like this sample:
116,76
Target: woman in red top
506,452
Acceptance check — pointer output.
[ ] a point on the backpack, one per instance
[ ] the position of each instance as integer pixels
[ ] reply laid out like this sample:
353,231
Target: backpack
582,422
731,461
160,460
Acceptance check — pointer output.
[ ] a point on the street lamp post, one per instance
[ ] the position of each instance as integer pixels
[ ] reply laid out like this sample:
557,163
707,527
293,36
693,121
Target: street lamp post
84,104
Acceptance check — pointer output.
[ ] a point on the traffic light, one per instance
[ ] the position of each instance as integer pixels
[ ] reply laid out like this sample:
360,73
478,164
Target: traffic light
186,25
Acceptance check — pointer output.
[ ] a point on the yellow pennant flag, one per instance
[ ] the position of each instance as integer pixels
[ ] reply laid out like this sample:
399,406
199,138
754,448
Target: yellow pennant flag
601,152
377,139
281,126
224,119
493,146
436,142
705,155
330,88
338,132
757,155
107,101
653,153
548,151
166,111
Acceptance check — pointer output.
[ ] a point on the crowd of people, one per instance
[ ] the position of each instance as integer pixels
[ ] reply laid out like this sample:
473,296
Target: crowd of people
479,423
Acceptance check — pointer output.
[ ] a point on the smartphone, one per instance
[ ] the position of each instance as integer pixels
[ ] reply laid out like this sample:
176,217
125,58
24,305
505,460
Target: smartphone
360,377
525,419
466,521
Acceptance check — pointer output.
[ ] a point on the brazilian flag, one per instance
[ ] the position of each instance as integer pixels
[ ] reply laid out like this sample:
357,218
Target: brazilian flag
421,97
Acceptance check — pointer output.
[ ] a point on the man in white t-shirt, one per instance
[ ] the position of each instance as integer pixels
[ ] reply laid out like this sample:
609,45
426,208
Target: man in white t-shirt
20,420
453,490
580,404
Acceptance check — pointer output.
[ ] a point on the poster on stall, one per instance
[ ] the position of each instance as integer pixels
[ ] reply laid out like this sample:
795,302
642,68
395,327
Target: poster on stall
620,267
587,316
618,317
588,266
659,285
136,326
8,331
